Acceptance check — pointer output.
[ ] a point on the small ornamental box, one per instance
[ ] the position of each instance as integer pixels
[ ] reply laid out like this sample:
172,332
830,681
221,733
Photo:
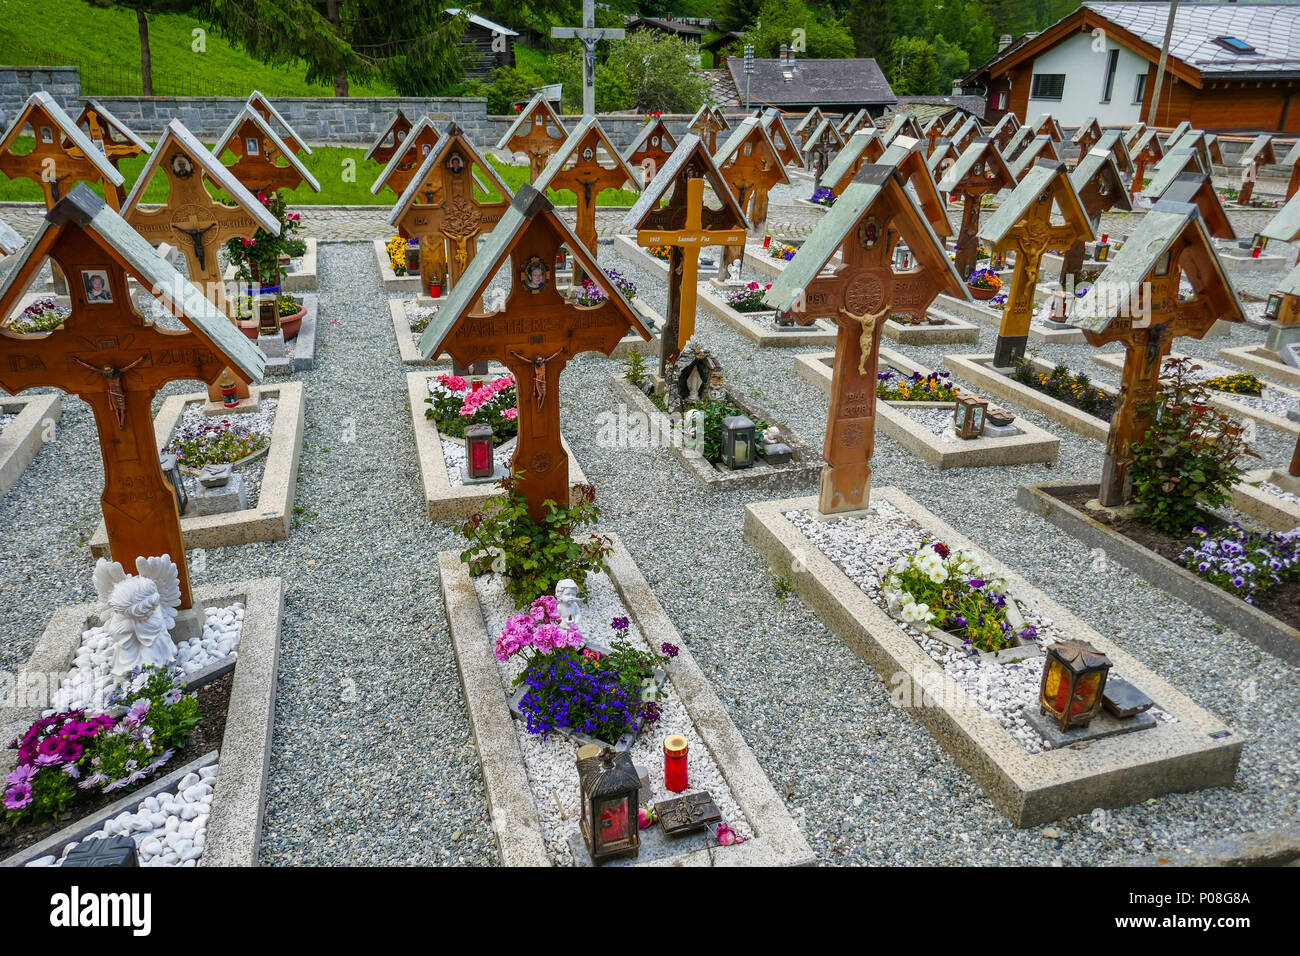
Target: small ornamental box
968,416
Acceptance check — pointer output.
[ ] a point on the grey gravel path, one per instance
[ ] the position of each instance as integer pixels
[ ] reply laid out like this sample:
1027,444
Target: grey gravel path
373,761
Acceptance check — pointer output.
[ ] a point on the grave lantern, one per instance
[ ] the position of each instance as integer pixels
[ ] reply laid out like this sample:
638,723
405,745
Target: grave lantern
172,472
610,788
478,452
413,256
738,441
968,416
1273,307
1074,678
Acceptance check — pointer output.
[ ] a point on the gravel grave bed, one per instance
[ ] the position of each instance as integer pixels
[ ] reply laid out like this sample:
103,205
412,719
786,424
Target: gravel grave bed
261,421
5,420
1269,488
938,421
551,763
864,547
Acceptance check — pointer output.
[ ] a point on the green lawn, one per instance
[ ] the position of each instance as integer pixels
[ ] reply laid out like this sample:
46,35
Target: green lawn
104,44
342,183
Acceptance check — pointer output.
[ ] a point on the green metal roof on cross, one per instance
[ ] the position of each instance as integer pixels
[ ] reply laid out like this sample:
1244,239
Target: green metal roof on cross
1046,177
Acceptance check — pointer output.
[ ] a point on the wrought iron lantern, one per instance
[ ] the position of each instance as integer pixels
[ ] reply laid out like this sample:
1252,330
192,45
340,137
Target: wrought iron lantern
1274,306
172,472
738,441
413,257
610,786
1101,251
968,416
1074,680
479,464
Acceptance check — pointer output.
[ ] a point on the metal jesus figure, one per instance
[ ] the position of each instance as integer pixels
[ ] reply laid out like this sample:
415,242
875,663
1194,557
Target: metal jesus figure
589,36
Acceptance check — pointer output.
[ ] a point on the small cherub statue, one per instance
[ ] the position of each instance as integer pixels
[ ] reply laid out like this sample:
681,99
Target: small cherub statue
733,273
568,606
139,610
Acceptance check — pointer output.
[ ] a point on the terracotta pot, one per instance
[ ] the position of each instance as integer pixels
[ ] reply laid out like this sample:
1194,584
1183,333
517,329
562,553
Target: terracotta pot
982,294
289,325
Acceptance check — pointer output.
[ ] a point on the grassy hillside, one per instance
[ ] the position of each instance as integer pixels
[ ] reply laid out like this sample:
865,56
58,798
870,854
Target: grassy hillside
104,43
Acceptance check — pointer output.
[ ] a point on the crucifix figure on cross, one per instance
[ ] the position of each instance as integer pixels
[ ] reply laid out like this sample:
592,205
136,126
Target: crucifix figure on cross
589,36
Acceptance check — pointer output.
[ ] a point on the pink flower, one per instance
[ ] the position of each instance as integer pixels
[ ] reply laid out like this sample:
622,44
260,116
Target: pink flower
727,836
645,819
510,413
452,382
548,607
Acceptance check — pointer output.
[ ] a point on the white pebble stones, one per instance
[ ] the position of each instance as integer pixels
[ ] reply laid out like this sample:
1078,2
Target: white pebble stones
169,829
90,684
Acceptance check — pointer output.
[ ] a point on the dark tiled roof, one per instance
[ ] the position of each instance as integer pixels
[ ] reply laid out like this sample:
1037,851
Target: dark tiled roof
826,83
974,105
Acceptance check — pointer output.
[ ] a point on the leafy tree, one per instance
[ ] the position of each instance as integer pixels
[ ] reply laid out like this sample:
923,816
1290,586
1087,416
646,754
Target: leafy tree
414,47
647,71
913,67
143,9
824,36
509,86
739,14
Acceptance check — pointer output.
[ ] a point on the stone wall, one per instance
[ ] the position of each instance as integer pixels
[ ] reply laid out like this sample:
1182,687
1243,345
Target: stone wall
17,83
622,129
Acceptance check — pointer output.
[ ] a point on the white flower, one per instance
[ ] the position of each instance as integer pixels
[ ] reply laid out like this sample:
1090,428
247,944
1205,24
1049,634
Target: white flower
918,613
938,575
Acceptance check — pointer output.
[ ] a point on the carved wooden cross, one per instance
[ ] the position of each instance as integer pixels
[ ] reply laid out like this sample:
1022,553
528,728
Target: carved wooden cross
808,125
863,147
1292,159
1097,180
62,156
686,225
115,140
383,148
1024,223
651,149
264,108
749,163
537,132
1086,136
440,206
576,166
707,123
403,161
979,172
819,147
1002,133
535,335
1136,302
1258,153
859,295
116,361
258,150
1146,152
786,147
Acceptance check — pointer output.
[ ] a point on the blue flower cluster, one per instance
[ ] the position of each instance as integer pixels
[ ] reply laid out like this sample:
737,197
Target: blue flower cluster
1243,562
568,692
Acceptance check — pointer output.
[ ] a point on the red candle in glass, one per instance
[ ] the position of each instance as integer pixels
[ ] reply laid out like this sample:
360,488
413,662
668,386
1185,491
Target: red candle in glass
1105,237
676,748
482,456
767,242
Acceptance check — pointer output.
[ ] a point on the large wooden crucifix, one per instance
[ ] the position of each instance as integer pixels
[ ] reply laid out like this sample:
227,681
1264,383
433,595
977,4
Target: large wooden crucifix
537,132
786,146
978,173
534,335
441,208
859,295
258,150
265,109
1147,151
62,156
1086,136
1043,212
686,225
115,139
820,147
1100,185
588,35
707,123
863,147
382,149
116,361
651,149
1258,153
420,140
1136,302
749,162
577,166
193,221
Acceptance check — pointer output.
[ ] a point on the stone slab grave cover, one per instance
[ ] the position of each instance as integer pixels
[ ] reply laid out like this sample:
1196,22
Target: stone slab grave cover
751,164
1171,242
671,212
26,433
979,172
1043,212
537,132
535,334
865,223
191,220
443,499
234,828
1193,751
512,800
1029,443
116,360
1277,512
270,516
761,328
443,209
1265,631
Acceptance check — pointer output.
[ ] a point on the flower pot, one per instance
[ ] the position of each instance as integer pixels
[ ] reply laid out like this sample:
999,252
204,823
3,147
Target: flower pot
982,294
289,325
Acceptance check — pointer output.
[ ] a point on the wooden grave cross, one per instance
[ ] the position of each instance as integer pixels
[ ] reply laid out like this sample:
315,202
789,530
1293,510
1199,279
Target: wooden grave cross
806,126
749,162
534,334
113,137
588,35
1048,126
903,124
258,150
1086,136
1043,212
1292,159
979,172
686,225
420,140
1136,302
537,132
862,148
786,147
1003,131
1040,147
651,149
382,149
707,123
859,294
62,156
820,147
441,207
116,360
1146,152
1258,153
908,157
1100,185
265,109
577,166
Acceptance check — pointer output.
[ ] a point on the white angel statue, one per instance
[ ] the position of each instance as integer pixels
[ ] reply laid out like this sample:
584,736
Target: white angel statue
140,610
